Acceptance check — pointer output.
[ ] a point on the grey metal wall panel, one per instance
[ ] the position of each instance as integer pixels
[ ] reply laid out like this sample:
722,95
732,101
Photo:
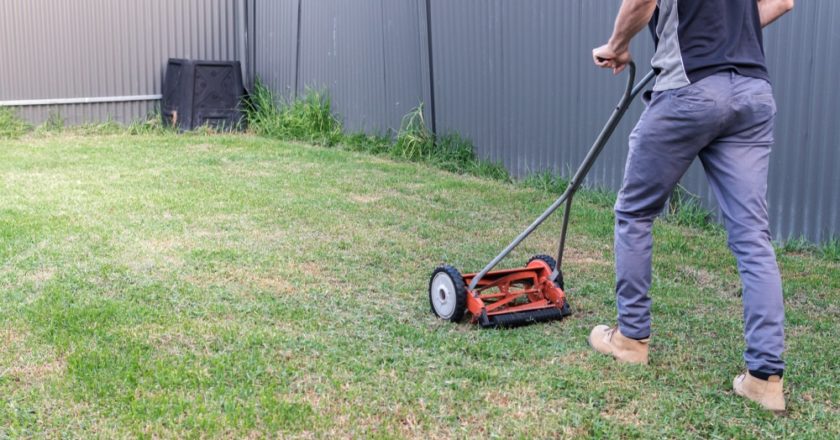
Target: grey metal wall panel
275,44
518,80
96,48
805,184
467,74
342,50
426,63
369,55
404,53
74,114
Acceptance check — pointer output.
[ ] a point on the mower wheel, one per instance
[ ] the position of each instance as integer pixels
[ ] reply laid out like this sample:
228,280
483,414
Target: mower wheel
448,293
551,264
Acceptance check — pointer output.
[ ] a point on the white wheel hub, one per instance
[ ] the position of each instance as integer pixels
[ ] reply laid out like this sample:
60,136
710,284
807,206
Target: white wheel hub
443,295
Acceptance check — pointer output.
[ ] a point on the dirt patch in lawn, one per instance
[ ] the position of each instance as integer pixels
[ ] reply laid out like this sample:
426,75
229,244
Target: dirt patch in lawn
705,279
202,148
27,365
365,199
40,276
32,373
242,280
584,255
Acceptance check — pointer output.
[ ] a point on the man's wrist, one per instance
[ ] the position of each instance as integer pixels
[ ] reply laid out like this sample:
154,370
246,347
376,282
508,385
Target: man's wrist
617,46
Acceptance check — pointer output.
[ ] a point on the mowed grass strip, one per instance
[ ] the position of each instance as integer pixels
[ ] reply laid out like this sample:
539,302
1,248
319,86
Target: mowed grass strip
232,286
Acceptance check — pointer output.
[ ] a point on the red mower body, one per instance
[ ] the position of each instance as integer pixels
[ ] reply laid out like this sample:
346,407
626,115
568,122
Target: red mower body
513,297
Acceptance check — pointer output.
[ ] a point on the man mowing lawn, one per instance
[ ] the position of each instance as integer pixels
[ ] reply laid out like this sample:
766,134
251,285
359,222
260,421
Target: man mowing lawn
712,99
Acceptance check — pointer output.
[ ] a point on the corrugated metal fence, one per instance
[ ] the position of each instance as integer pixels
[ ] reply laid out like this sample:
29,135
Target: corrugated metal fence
516,78
106,50
370,54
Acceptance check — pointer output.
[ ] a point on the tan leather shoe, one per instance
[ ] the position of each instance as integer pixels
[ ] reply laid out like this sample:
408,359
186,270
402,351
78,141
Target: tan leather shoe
610,341
767,393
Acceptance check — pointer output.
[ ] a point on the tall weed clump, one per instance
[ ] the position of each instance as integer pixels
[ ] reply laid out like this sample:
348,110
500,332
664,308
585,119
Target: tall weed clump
451,152
11,126
53,124
685,209
415,141
309,119
152,125
830,250
546,181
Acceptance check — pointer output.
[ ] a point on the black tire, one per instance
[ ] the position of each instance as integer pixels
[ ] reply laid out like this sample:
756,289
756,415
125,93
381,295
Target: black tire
460,293
552,263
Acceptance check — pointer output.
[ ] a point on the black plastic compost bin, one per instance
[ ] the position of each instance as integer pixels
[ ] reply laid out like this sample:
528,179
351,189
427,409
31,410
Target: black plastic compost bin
197,93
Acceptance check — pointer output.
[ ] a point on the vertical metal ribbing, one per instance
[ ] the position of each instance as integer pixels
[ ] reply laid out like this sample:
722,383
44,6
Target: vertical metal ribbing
93,49
432,110
242,36
297,49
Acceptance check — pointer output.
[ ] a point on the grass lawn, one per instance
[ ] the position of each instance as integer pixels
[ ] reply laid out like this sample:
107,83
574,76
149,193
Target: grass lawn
233,286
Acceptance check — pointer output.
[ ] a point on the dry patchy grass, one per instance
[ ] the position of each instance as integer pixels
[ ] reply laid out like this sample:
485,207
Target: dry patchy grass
230,286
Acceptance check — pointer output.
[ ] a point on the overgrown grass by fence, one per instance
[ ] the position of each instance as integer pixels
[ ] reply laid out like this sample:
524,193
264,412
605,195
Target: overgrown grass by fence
311,119
11,126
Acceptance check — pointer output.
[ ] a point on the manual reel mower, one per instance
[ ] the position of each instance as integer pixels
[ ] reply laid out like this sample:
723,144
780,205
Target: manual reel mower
503,298
534,293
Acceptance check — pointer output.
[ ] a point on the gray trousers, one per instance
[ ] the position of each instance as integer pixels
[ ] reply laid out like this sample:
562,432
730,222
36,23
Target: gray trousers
727,120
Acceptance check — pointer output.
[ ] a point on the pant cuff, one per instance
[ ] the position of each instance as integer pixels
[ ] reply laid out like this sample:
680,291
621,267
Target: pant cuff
638,335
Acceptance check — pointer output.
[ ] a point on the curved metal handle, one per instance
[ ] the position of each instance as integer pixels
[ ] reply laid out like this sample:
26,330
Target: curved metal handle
633,88
631,81
630,93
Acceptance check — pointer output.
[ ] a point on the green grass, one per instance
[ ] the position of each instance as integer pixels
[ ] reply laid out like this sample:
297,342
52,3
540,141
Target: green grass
234,286
311,119
55,124
308,119
11,126
830,250
686,209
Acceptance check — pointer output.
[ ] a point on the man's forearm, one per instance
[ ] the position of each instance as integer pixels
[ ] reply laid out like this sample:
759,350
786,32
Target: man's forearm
771,10
633,16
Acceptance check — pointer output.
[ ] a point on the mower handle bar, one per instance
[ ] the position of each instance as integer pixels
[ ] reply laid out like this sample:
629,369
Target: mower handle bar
630,93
